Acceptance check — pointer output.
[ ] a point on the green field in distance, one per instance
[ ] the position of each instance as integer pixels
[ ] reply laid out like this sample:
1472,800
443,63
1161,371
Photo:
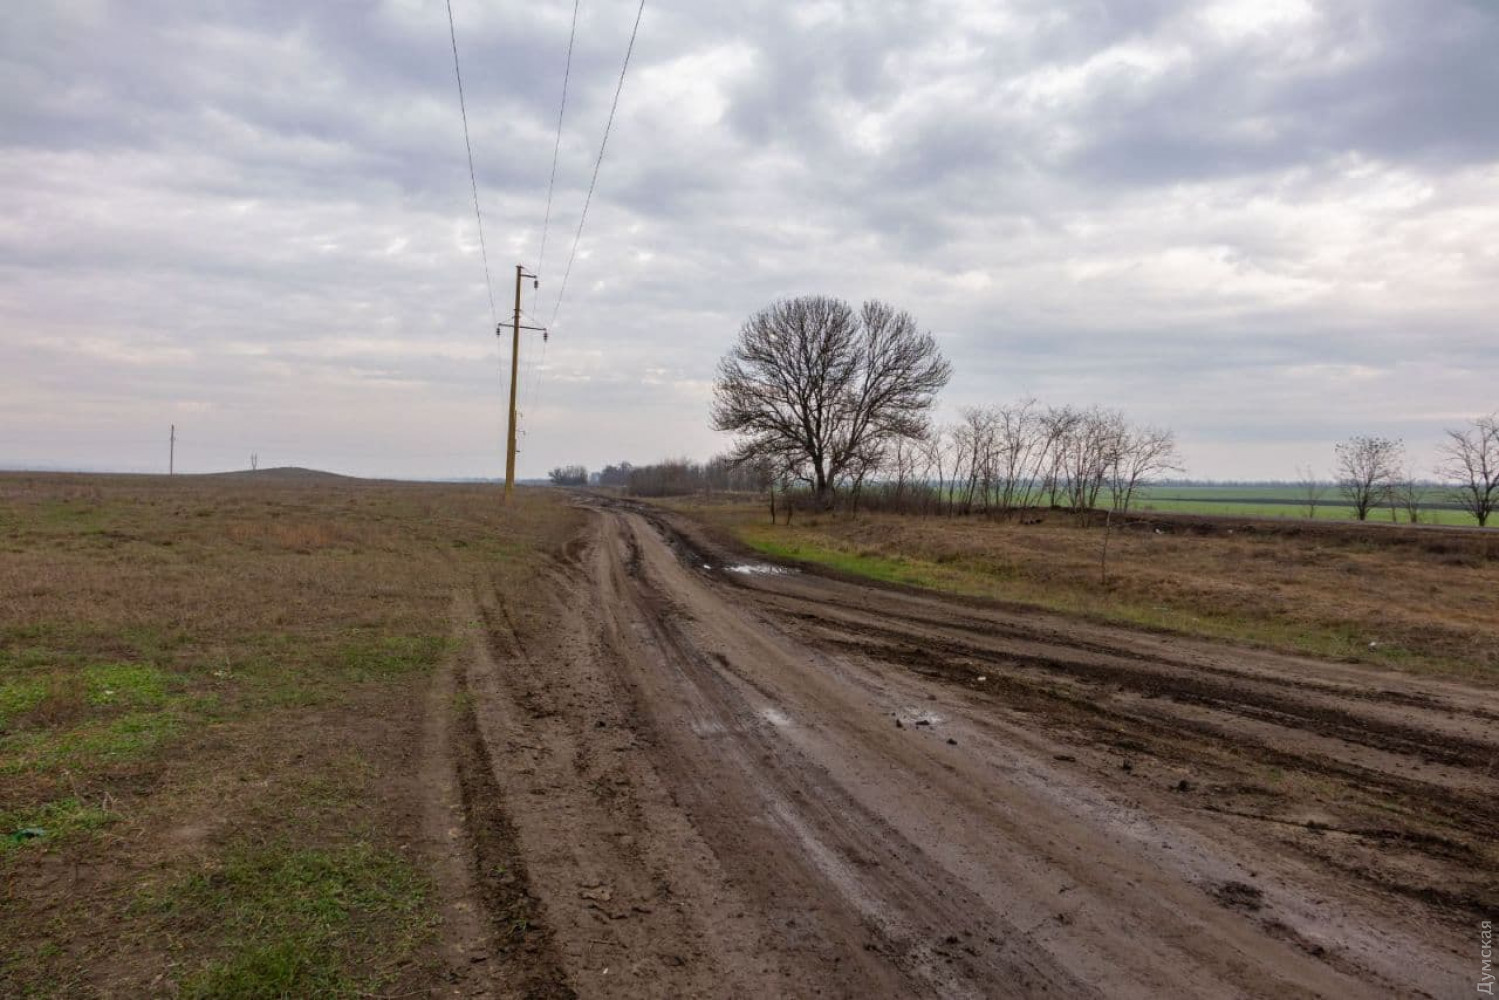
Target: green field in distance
1287,501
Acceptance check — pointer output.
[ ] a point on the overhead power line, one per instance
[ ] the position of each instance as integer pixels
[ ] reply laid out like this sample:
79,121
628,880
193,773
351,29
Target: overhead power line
529,378
583,218
567,70
472,178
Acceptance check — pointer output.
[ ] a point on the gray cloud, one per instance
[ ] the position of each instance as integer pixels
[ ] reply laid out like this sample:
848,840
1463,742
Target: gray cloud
1268,224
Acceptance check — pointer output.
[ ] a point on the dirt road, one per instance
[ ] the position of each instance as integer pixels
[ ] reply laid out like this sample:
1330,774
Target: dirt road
724,780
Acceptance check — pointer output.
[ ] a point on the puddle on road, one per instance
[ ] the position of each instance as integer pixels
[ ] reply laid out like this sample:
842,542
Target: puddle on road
910,716
775,717
764,568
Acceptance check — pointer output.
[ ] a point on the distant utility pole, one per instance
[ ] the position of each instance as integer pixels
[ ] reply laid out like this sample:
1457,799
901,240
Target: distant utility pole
516,328
172,452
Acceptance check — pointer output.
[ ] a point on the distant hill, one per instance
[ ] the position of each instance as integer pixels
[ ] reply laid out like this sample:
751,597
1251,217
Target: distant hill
285,474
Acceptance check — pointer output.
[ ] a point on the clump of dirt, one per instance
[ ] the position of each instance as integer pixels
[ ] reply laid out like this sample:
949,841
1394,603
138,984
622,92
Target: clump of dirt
1238,895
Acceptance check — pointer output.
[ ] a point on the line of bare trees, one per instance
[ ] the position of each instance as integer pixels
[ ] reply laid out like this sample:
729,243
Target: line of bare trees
997,460
673,477
1372,472
834,403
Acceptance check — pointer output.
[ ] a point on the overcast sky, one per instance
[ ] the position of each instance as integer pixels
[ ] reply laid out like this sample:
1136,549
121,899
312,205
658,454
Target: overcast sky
1267,224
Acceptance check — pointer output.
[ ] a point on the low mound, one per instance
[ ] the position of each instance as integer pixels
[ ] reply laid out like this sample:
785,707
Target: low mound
286,475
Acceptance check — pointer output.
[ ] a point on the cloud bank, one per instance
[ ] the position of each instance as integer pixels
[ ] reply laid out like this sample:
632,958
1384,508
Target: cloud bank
1267,224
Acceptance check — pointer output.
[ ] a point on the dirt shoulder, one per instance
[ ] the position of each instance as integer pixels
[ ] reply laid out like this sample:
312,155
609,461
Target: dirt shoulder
1421,599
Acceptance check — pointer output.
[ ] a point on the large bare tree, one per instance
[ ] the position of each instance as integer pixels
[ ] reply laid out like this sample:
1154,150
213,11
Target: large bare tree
1470,461
824,388
1367,469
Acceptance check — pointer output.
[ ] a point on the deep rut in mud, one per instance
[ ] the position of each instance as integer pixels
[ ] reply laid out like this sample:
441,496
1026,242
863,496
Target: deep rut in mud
783,784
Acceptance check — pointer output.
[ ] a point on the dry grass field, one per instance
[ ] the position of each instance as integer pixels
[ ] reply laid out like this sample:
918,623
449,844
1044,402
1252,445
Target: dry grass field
212,721
286,735
1417,598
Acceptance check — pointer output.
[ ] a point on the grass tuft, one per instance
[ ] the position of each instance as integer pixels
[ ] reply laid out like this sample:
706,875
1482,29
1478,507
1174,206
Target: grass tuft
95,744
132,684
372,657
18,697
293,921
58,820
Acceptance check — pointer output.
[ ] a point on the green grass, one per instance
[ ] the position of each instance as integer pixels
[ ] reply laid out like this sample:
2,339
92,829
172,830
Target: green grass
115,712
56,820
1285,502
366,656
887,569
19,696
289,920
132,684
94,744
230,667
27,649
132,709
975,578
277,670
70,517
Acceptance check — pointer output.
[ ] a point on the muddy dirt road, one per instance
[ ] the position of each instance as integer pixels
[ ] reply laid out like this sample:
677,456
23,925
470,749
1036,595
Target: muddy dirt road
721,780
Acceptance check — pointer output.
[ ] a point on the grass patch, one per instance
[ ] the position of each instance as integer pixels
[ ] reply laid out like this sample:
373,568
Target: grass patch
373,657
1288,501
57,821
282,671
1347,600
131,684
70,517
20,696
887,569
93,745
238,661
294,921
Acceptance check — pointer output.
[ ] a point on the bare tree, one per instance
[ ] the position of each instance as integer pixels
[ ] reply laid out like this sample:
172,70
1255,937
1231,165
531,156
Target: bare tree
940,458
811,378
974,435
1020,442
1058,426
1139,455
1087,449
254,461
1312,490
1470,461
901,469
1406,494
1367,468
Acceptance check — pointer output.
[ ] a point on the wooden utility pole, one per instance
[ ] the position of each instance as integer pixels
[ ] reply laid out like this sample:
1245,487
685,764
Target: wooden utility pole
172,452
516,328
